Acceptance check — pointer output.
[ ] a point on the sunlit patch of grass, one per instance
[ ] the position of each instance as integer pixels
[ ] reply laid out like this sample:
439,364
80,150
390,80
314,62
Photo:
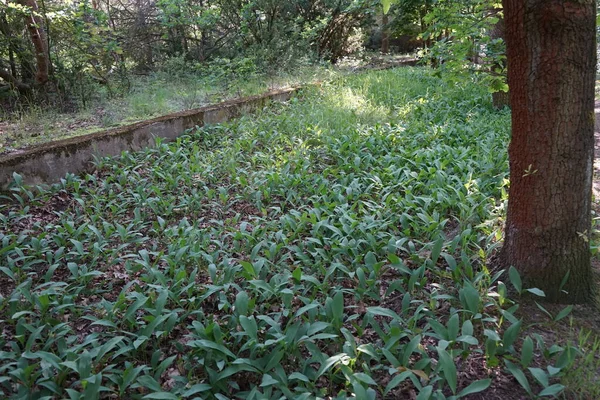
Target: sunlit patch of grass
582,381
149,96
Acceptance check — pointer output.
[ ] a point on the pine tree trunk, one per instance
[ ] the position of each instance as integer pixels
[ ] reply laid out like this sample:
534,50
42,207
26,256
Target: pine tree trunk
551,51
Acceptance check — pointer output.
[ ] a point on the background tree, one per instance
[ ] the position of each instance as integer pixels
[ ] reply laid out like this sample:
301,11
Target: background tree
102,41
551,51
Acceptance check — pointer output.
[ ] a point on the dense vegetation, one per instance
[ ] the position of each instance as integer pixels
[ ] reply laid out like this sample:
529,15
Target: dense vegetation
67,56
175,87
340,244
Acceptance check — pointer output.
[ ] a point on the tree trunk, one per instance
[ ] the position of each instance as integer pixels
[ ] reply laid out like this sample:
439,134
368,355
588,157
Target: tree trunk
551,53
385,35
35,26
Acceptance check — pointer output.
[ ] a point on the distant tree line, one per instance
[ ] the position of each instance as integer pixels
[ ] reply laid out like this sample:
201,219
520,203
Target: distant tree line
55,50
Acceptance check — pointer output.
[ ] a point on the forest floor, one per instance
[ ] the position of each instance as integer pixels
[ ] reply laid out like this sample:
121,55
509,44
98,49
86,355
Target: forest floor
160,93
336,245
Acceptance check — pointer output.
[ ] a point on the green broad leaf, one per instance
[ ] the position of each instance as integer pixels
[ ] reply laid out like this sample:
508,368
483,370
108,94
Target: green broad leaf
567,357
468,339
540,375
338,306
275,360
543,309
50,358
306,308
519,376
268,380
297,274
250,326
410,348
71,365
78,246
330,362
310,279
564,281
553,370
8,273
140,340
370,259
436,250
448,368
527,352
467,328
298,376
162,367
20,314
515,279
197,388
103,322
491,334
317,327
438,328
451,261
470,298
8,248
241,303
368,349
359,390
563,313
249,268
322,336
364,378
475,387
384,312
510,335
386,4
552,391
109,346
161,396
207,344
396,380
139,303
453,326
537,292
234,369
425,393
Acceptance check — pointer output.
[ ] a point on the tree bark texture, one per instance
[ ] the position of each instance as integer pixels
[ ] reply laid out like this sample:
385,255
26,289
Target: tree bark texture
35,26
551,51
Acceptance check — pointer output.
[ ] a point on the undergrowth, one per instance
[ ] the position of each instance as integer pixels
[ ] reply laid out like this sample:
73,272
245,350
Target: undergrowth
149,96
335,246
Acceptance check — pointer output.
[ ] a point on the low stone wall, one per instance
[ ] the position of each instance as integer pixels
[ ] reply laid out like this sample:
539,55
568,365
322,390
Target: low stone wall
49,162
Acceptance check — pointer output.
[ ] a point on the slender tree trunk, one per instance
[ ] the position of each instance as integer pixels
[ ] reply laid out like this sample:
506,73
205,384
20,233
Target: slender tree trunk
385,34
551,51
5,30
11,61
35,26
500,99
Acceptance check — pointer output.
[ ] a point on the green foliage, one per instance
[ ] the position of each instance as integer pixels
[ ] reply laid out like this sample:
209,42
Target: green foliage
177,86
464,36
92,42
334,246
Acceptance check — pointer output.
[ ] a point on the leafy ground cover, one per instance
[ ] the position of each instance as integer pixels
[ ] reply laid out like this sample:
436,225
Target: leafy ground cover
339,245
178,87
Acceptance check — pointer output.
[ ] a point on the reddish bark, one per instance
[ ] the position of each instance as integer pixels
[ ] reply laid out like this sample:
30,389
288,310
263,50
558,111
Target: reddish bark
551,71
35,26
